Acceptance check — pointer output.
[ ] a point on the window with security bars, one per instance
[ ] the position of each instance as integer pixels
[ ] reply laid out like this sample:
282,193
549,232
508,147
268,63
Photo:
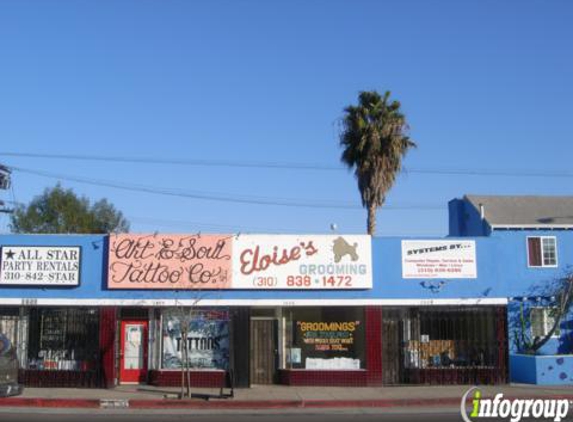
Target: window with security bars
542,321
444,345
63,339
542,251
9,318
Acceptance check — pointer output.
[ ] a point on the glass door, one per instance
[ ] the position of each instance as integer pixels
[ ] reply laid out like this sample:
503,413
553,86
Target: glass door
133,353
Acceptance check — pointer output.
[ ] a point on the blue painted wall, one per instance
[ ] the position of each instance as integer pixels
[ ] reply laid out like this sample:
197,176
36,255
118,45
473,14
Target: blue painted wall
501,260
542,370
532,283
519,280
387,271
465,220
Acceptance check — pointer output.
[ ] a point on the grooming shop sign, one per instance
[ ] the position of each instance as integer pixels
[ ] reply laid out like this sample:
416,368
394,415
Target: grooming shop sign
305,262
430,259
229,262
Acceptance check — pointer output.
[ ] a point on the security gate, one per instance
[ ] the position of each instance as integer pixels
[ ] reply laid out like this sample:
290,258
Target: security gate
391,347
444,345
264,351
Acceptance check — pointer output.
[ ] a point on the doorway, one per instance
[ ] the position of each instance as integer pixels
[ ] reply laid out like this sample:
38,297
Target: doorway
264,351
133,352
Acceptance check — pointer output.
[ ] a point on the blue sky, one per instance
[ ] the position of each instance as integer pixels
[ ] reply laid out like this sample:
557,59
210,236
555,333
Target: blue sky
486,85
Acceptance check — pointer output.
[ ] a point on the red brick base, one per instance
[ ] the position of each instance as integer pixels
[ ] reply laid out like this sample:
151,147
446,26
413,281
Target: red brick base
370,376
59,379
204,379
302,377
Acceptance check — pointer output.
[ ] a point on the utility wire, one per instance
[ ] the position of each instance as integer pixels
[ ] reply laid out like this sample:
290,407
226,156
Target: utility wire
178,223
170,161
154,223
209,196
290,166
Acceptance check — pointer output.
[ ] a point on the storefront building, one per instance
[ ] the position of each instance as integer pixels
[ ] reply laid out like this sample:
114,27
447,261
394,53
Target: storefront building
346,310
97,311
535,238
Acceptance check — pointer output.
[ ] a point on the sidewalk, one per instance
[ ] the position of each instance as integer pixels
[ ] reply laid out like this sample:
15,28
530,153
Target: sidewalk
272,397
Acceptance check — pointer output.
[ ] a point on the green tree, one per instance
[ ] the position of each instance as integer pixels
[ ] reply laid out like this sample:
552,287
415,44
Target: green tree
557,297
60,210
374,141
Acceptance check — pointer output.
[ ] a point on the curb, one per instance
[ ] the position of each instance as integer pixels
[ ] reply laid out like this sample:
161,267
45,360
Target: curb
52,403
241,404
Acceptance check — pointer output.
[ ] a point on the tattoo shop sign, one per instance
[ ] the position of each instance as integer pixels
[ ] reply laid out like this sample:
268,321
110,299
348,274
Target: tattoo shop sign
302,262
57,266
185,262
439,259
262,262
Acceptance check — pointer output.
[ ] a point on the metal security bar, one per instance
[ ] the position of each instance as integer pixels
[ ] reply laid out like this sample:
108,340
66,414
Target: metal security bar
64,339
63,348
444,345
9,318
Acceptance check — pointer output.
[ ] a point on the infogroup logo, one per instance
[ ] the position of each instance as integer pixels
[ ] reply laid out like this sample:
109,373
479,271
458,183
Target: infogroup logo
513,410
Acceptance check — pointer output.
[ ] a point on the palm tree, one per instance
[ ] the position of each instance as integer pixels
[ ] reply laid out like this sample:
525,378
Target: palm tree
374,141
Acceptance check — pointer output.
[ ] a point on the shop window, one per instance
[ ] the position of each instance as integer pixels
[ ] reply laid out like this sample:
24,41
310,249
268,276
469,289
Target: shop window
542,321
9,318
453,338
442,344
325,338
542,251
207,338
63,339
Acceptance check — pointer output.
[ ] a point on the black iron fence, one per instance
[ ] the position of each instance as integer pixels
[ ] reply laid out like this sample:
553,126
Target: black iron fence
444,345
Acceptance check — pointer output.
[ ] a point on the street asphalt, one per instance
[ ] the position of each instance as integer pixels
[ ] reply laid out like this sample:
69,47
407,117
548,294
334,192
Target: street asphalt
285,415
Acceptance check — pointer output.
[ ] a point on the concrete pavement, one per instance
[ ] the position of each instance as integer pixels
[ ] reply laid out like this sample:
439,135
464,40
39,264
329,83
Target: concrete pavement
271,397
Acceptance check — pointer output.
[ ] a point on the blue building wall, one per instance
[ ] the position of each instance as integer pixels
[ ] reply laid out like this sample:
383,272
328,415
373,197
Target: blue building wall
542,370
525,286
387,274
465,220
502,273
529,285
503,276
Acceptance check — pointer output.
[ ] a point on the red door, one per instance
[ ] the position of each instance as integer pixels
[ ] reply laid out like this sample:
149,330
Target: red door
133,353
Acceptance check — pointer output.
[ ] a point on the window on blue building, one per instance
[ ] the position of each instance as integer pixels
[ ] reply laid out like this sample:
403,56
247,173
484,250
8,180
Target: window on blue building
542,321
542,251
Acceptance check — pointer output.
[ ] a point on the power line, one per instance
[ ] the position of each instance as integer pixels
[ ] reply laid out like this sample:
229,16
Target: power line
227,227
291,166
230,228
187,162
210,196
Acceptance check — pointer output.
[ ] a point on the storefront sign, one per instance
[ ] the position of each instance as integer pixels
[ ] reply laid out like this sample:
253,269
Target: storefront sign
328,336
334,341
439,259
207,342
242,262
57,266
302,262
169,262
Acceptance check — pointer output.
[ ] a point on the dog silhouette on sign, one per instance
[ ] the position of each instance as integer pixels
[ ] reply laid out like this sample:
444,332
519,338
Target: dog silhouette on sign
341,248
